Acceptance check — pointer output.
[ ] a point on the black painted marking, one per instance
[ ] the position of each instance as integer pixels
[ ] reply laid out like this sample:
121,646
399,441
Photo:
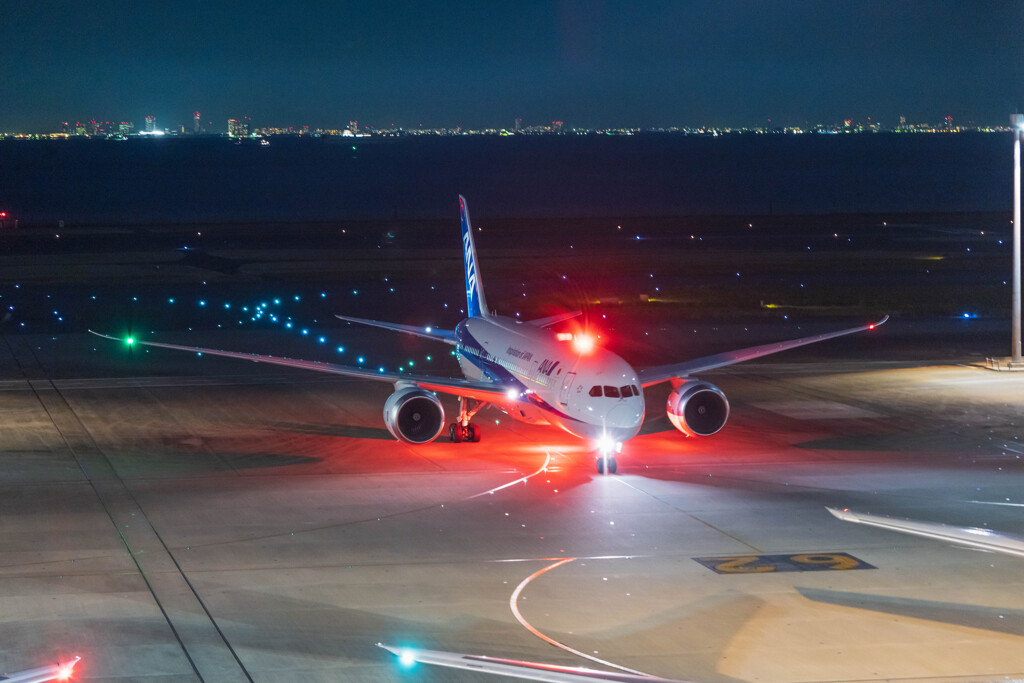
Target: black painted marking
798,562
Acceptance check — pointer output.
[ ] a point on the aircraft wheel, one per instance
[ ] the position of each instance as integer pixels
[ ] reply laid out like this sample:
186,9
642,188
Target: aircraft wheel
600,465
474,433
612,465
455,432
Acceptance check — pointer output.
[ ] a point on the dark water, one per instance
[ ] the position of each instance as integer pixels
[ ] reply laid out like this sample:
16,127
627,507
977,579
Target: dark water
146,181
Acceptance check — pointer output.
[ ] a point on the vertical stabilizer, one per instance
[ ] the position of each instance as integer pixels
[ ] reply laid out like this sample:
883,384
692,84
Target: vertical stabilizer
476,304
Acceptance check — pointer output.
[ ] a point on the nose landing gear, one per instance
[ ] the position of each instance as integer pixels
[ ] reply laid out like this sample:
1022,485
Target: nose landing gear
606,450
607,463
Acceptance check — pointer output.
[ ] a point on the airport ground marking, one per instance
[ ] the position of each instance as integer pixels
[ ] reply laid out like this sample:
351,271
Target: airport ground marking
543,468
689,514
773,564
581,557
512,603
995,502
400,513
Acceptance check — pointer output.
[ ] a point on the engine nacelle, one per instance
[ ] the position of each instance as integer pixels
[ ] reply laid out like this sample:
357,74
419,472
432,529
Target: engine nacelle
697,408
413,415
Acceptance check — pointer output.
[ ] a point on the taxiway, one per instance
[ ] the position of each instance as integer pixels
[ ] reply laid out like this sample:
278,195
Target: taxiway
233,523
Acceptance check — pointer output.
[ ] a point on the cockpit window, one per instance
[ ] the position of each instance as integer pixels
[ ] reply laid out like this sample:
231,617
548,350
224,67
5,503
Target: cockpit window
627,391
595,391
611,392
636,390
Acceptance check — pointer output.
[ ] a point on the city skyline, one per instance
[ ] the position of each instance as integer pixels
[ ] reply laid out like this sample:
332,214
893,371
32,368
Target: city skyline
592,64
242,126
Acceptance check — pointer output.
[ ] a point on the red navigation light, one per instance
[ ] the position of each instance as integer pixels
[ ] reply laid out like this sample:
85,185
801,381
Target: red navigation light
871,326
583,343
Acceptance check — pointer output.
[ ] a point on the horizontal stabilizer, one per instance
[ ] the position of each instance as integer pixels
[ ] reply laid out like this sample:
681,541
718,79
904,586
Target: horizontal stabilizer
446,336
555,319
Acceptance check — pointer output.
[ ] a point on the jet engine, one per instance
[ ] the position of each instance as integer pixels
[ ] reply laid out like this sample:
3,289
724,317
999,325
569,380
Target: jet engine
413,415
697,408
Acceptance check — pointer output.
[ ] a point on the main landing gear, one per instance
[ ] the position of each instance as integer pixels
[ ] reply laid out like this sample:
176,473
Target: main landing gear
458,433
463,430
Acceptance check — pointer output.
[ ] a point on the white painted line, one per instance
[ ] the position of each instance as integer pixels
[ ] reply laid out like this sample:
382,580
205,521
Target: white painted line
543,468
547,639
559,559
990,502
515,668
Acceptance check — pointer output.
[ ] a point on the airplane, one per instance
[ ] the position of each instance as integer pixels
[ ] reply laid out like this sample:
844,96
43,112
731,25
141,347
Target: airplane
969,537
535,375
50,672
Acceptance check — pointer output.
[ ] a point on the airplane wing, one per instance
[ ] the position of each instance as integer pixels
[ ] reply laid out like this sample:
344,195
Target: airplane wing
664,373
514,668
446,336
985,539
490,392
50,672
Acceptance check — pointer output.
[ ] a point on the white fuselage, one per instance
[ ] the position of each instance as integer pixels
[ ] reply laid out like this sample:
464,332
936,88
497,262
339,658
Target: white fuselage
593,395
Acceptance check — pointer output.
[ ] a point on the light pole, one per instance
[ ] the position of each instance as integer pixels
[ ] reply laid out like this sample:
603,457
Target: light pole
1017,123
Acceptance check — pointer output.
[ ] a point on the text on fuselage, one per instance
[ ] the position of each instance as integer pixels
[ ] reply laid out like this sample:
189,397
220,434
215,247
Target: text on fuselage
521,355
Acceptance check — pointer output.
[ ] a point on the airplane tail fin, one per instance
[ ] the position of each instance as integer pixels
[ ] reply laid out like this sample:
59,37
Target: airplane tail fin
476,304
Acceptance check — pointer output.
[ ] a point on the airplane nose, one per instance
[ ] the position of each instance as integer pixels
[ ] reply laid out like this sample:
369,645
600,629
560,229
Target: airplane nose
626,417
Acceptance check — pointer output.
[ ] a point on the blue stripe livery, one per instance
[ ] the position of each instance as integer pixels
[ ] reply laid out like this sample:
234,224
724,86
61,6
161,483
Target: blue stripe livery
476,304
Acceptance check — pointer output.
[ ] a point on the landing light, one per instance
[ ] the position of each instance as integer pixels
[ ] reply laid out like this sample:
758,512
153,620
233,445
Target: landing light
512,394
606,445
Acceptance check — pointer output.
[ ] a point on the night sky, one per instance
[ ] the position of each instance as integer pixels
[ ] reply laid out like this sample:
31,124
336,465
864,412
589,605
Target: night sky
590,63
